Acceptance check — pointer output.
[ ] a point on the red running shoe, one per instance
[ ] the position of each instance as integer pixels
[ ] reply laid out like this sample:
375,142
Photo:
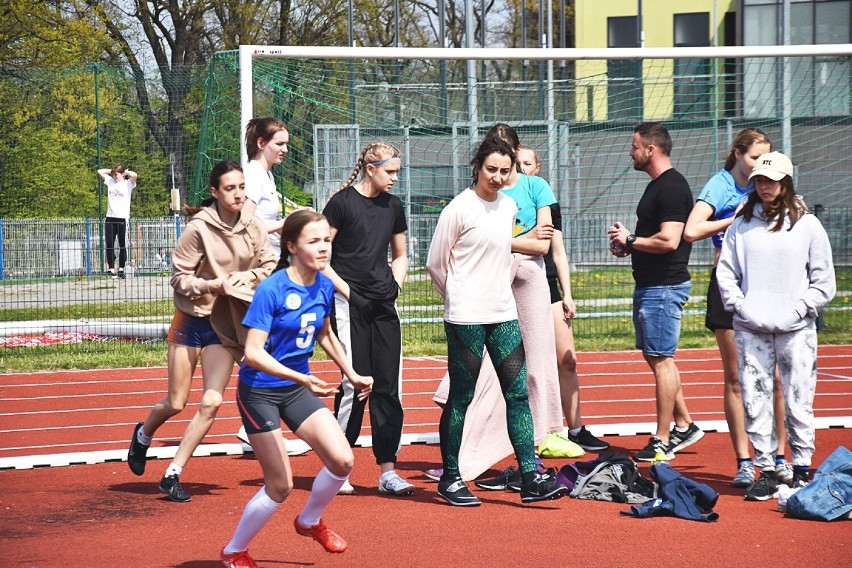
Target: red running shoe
329,539
237,560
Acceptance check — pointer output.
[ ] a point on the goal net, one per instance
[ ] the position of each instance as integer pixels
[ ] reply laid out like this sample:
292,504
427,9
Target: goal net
575,107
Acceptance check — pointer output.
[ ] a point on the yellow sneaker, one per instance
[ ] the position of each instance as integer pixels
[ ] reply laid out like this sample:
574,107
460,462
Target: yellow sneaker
558,445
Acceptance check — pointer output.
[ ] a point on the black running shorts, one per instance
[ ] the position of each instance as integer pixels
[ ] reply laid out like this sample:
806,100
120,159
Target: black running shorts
262,409
717,317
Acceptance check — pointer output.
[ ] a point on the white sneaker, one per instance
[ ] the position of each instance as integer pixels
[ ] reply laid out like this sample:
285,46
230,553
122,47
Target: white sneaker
745,475
391,483
297,447
346,489
784,472
784,494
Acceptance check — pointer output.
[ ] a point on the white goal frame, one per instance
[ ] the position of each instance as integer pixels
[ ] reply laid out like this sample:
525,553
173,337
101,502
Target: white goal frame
247,53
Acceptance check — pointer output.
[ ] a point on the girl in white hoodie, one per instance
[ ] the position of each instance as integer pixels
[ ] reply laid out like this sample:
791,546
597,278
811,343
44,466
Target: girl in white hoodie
775,274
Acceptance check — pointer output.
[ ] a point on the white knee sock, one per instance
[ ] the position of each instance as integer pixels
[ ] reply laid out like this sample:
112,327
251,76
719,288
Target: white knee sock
325,487
257,512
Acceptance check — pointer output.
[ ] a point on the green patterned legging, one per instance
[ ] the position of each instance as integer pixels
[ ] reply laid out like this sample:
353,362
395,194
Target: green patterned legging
465,345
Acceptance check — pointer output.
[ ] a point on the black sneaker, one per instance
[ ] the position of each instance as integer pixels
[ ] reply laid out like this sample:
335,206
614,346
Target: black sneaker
516,482
800,478
501,481
764,488
170,485
542,487
121,274
681,440
587,441
137,453
649,453
456,493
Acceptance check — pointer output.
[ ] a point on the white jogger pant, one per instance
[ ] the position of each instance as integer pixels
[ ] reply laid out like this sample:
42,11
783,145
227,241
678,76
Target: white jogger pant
795,355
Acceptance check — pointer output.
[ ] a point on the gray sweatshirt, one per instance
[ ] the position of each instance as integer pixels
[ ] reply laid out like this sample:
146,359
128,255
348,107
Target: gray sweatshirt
775,282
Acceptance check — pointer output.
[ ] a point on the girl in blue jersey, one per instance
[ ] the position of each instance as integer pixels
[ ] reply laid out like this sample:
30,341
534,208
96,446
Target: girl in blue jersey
289,313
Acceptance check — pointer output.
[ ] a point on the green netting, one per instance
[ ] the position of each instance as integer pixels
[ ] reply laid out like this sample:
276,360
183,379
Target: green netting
61,124
333,107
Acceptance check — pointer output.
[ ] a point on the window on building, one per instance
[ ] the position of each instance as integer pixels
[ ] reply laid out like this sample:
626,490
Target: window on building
818,86
693,82
832,78
624,78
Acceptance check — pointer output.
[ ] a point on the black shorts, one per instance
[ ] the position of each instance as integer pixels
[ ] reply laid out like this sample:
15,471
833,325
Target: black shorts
262,409
717,317
555,294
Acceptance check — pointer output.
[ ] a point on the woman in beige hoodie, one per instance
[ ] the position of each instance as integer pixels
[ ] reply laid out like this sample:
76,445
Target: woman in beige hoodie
222,247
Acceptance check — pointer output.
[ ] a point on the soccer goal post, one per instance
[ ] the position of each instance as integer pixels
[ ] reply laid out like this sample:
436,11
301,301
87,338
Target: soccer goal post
575,107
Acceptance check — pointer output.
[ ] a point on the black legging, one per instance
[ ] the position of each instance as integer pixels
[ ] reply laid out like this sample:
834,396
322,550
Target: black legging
116,227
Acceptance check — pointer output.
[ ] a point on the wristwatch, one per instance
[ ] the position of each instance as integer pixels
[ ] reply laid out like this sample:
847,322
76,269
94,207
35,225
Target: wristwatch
631,238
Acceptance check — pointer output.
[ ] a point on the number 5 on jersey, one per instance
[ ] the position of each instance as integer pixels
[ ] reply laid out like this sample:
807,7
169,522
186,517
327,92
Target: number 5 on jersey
306,333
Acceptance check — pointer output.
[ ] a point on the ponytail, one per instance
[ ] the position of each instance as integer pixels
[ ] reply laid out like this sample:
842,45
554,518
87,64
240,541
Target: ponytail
743,141
261,128
354,174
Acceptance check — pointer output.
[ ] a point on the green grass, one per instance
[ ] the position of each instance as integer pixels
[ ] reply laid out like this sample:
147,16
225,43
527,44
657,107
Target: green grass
602,333
86,355
154,309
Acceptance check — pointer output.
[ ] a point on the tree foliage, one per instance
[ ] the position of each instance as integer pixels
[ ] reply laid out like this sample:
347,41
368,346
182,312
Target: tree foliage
88,83
46,104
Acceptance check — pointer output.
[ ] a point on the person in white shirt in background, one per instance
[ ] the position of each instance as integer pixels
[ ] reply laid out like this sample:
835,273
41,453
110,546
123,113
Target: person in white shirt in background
267,141
266,146
120,183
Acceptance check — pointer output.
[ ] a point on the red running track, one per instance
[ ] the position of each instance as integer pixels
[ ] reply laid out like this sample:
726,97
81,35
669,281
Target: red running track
102,515
65,412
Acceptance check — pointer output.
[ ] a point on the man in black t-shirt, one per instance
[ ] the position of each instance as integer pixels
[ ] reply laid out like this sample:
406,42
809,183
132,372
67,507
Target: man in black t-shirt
660,256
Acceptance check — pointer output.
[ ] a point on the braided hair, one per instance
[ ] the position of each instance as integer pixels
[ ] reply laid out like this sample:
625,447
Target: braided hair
375,152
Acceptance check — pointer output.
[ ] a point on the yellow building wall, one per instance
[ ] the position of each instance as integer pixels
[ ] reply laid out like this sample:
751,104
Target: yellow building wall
590,21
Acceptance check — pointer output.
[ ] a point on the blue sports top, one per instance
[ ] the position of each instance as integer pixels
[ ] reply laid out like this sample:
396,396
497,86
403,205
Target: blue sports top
724,195
530,194
292,314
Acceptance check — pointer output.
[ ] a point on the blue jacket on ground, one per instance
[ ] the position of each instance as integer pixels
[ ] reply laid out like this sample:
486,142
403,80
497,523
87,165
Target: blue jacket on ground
829,495
679,496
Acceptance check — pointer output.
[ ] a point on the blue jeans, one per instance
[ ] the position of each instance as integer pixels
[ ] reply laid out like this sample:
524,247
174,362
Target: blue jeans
657,311
829,495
